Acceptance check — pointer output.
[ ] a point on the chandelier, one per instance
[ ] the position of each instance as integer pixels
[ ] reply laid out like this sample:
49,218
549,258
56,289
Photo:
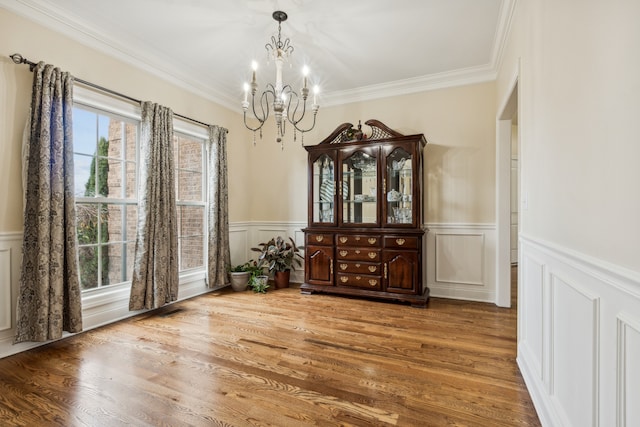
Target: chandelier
287,105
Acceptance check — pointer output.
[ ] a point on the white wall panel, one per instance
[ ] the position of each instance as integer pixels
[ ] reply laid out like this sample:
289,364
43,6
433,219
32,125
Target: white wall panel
459,258
5,289
530,309
239,244
628,395
574,352
460,261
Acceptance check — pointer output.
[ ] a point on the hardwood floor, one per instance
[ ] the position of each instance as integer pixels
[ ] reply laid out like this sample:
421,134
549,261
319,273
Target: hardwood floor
280,359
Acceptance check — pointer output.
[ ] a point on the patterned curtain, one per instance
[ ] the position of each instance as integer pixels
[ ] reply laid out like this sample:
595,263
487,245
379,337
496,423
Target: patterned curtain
219,254
155,273
49,300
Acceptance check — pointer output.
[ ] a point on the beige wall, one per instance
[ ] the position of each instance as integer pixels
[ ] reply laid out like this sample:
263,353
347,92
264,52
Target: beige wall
579,112
458,123
38,43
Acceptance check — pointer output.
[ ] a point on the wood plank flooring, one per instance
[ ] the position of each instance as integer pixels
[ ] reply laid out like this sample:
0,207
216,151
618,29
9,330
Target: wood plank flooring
280,359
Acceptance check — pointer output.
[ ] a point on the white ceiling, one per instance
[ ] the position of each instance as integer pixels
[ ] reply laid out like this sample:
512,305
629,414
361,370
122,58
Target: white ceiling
356,49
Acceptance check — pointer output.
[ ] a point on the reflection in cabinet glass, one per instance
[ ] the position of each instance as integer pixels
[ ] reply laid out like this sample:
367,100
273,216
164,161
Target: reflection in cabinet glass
399,187
323,189
360,181
365,235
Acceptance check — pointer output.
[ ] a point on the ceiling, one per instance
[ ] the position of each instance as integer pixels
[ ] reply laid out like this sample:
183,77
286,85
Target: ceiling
356,49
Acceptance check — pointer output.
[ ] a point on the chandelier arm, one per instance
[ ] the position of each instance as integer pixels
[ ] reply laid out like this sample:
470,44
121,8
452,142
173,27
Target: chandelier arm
292,117
264,105
249,127
295,124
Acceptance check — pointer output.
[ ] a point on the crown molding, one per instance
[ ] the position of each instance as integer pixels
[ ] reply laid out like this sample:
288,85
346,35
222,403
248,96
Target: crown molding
413,85
72,27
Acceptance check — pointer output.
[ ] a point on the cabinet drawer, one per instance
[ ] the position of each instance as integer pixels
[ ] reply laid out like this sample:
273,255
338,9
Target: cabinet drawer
358,267
358,240
358,254
319,239
401,242
360,281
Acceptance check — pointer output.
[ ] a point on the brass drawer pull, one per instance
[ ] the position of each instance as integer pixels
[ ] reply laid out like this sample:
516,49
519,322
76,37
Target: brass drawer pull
344,239
373,268
358,278
358,265
357,238
373,282
358,251
400,242
372,255
343,267
372,240
344,253
319,238
344,279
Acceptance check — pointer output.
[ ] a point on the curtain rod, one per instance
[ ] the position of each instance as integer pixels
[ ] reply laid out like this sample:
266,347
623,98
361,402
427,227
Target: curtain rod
19,59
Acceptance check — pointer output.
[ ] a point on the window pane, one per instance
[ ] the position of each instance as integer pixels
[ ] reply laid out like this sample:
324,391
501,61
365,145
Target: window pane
191,253
189,186
82,170
88,264
111,179
84,131
189,154
132,223
87,223
130,185
115,263
190,221
130,141
131,248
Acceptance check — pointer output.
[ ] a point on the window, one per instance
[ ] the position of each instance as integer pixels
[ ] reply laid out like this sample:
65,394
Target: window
189,161
105,162
106,159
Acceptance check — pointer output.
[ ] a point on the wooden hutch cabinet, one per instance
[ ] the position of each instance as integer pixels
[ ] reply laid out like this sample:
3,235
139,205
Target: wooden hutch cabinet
365,235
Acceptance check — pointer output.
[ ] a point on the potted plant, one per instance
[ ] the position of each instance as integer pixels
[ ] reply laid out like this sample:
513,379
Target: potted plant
240,276
280,257
243,275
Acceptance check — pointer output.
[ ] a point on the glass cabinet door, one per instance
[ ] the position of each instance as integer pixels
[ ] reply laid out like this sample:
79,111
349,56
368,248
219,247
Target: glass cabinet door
399,187
323,190
360,189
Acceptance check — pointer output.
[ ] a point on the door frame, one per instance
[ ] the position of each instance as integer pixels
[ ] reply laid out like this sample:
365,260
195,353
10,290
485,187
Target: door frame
509,107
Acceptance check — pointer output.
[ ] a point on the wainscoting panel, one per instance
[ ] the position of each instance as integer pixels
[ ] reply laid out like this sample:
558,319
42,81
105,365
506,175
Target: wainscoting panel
10,259
575,330
530,306
460,261
579,337
6,308
459,258
239,243
628,370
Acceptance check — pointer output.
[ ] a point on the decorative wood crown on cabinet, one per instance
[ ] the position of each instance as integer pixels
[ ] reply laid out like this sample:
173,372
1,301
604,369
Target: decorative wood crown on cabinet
365,235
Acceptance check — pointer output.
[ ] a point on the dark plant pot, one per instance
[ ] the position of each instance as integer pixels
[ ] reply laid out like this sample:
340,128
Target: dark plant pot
281,279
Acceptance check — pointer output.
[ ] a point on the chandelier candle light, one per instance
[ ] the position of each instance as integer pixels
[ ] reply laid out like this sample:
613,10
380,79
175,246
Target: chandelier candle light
282,97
